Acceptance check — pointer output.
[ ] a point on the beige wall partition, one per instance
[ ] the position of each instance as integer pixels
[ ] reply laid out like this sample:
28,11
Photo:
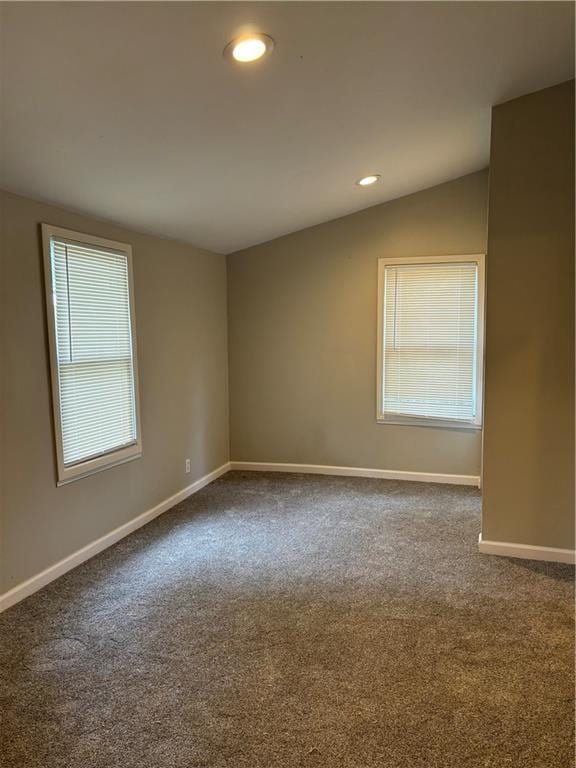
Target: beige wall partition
302,331
180,303
529,387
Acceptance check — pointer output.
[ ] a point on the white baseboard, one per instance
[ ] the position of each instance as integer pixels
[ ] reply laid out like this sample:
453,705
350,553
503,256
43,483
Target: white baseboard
384,474
526,551
32,585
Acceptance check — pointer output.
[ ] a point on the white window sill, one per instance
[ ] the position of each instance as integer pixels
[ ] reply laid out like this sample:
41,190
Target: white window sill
85,468
416,421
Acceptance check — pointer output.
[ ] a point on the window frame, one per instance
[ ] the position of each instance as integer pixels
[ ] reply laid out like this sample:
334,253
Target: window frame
425,421
86,467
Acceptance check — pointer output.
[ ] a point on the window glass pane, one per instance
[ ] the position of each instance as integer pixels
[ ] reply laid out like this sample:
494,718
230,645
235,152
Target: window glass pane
430,340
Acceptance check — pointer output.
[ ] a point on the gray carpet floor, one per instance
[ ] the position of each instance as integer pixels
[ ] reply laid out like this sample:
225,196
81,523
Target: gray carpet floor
275,621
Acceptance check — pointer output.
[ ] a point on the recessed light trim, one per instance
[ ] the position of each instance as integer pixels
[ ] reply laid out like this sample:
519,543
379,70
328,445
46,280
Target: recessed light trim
249,48
367,181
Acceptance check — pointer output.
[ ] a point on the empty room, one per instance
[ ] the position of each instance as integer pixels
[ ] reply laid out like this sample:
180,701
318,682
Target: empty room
287,418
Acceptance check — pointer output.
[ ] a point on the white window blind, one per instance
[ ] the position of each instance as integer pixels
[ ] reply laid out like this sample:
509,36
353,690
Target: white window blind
430,336
94,354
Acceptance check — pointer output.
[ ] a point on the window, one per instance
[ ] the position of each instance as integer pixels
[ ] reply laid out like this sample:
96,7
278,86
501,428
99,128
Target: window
90,307
430,337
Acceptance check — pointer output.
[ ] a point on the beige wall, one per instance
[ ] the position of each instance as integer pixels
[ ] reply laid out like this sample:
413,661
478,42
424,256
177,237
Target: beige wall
529,424
180,297
302,331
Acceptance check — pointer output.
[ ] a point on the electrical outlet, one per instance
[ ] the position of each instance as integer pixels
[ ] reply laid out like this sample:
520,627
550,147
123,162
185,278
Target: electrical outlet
187,466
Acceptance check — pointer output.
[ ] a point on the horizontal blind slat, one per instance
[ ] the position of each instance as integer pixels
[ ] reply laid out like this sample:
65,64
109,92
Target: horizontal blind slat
429,340
94,349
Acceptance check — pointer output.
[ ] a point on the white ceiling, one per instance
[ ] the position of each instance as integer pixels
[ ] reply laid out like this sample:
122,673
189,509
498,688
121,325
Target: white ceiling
129,111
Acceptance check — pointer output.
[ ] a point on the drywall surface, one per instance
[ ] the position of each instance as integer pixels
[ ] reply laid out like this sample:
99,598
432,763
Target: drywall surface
528,458
302,336
180,308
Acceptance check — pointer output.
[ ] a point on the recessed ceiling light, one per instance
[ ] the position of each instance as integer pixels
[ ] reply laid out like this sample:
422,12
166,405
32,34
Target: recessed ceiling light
249,48
367,180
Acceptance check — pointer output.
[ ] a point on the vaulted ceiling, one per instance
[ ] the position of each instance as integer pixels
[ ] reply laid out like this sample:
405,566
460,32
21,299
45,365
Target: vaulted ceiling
130,112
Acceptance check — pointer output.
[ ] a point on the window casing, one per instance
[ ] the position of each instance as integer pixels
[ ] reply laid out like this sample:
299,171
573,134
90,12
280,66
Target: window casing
430,341
93,360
